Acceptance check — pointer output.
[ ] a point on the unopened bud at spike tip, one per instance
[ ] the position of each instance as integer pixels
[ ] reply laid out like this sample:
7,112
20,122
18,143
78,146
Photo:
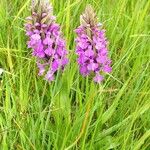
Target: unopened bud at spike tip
88,17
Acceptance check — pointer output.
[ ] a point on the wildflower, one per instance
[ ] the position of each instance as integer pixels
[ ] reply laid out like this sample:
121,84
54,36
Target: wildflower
45,39
91,46
1,71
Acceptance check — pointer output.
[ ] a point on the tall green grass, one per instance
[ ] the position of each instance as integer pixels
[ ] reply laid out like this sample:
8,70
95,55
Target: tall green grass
73,112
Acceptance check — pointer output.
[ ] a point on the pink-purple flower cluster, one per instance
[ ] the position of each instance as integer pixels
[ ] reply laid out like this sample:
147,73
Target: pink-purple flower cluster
49,47
92,50
45,39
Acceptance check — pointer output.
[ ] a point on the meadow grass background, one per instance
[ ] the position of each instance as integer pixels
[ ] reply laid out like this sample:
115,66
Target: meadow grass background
73,112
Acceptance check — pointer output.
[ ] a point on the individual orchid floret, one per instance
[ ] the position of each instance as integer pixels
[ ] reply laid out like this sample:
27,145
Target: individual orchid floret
91,46
45,39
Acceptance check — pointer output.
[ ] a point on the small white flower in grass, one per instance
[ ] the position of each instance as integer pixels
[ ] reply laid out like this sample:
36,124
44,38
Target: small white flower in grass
1,71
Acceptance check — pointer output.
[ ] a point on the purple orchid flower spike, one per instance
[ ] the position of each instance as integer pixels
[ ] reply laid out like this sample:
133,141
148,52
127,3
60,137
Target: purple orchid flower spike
91,46
45,39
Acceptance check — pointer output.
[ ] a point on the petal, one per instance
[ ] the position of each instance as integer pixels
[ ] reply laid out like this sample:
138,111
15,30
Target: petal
41,69
92,66
48,41
36,37
89,53
98,78
65,61
101,59
107,69
49,51
84,71
61,52
82,59
55,65
49,76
